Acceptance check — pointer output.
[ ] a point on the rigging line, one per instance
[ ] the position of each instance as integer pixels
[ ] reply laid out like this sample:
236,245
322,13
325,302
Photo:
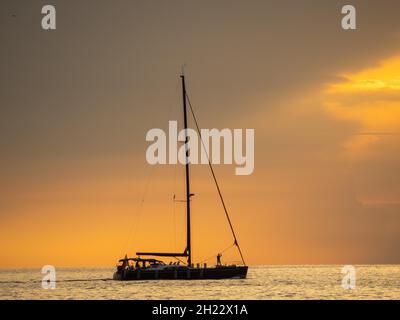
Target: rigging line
179,260
174,209
175,176
135,224
215,180
221,252
134,227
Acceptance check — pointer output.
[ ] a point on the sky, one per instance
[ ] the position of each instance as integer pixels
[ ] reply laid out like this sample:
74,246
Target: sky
77,102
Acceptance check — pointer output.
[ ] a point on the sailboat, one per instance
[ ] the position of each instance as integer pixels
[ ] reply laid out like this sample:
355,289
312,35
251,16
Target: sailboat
141,268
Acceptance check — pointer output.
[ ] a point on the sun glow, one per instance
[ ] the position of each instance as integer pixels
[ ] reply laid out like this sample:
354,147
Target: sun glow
386,76
371,99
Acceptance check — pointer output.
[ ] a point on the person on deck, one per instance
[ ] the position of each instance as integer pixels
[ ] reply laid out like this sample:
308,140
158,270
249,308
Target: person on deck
219,255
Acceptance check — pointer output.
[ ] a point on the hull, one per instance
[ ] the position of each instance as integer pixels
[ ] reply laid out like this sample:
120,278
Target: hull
226,272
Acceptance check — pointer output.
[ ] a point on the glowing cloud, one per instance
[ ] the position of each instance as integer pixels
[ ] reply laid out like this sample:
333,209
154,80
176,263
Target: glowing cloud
371,99
386,76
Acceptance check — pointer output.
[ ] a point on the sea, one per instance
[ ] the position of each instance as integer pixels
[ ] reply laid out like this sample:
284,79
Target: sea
300,282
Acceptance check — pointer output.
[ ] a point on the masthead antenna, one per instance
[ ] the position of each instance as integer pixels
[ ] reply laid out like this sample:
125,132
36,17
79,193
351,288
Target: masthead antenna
183,69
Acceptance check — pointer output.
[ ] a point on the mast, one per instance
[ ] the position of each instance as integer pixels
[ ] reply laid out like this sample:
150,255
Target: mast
188,251
188,245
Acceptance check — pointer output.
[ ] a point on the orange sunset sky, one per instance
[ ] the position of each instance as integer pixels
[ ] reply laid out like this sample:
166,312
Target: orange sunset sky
76,103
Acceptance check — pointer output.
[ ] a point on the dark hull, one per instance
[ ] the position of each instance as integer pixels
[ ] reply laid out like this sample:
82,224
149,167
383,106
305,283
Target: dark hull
228,272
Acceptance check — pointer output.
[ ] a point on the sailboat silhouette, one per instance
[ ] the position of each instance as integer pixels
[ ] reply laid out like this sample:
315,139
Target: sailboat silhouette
154,269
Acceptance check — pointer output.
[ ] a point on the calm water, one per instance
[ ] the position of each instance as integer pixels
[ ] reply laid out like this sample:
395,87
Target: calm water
263,282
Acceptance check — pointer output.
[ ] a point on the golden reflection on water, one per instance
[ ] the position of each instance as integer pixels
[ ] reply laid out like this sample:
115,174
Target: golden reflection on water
263,282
